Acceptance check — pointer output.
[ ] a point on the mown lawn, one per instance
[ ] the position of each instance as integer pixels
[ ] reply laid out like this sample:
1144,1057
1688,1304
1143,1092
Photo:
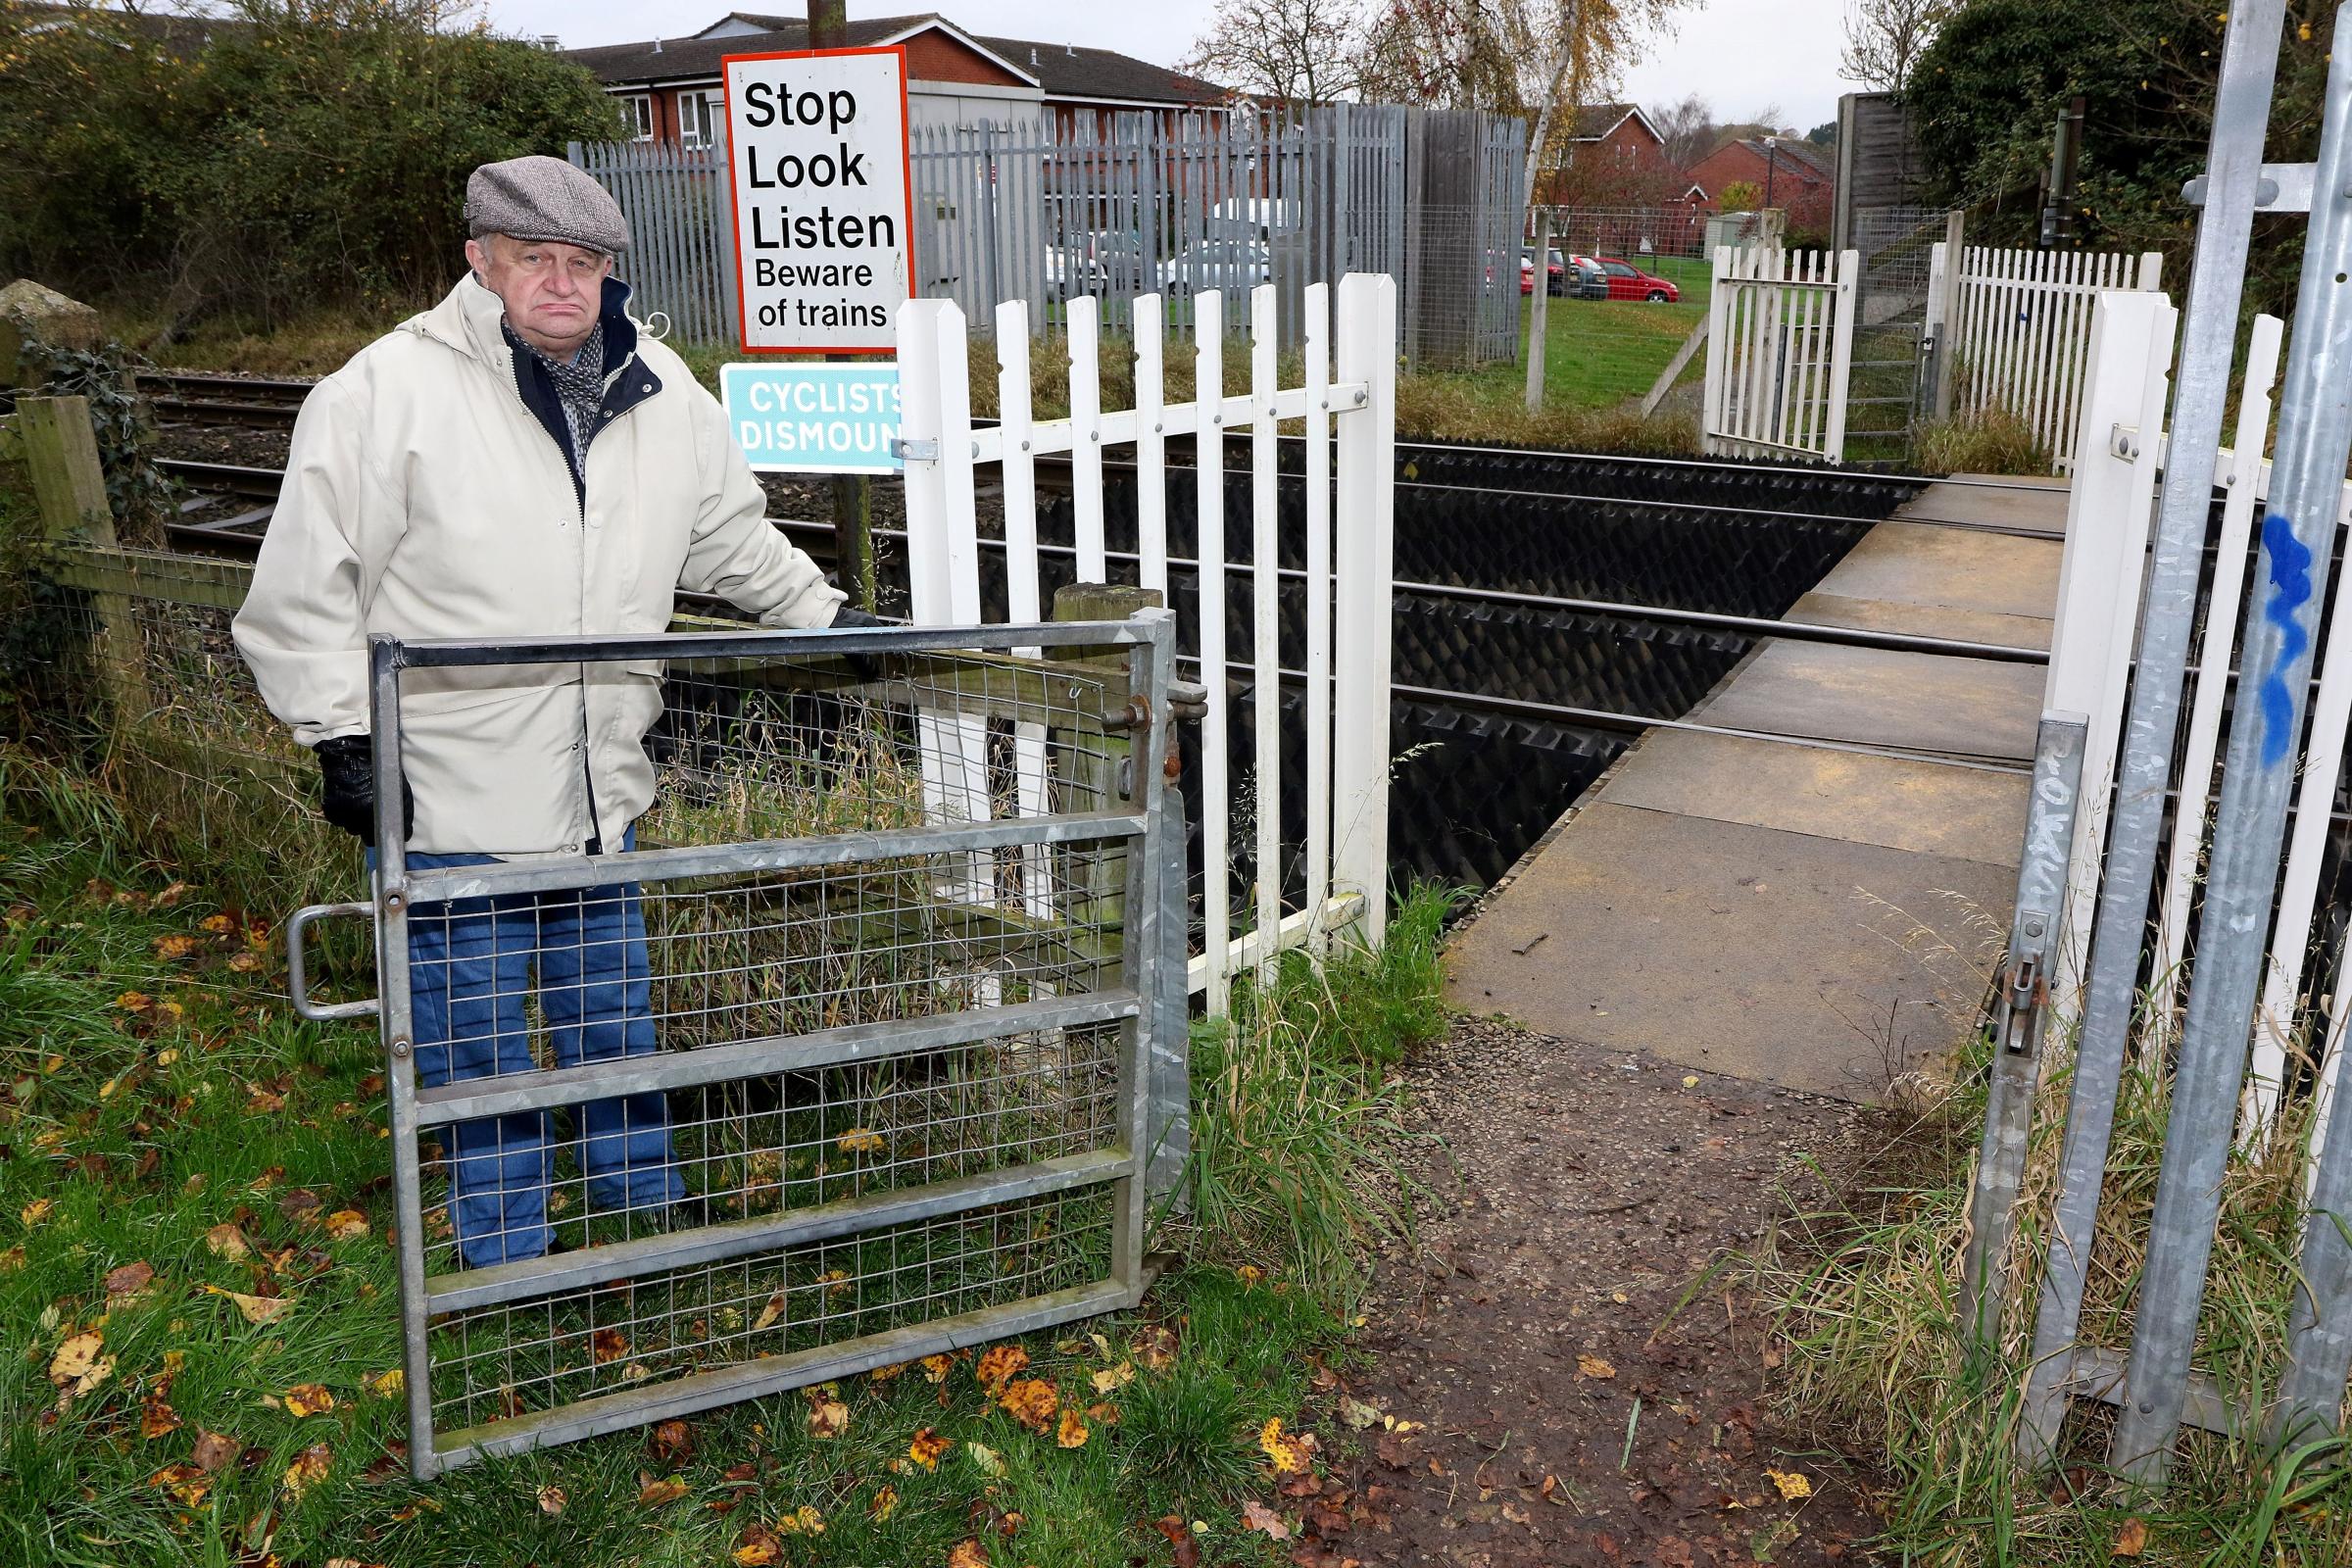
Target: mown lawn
198,1289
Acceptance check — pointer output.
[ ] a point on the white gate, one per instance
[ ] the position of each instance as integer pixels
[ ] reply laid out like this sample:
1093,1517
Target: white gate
1779,352
1344,411
2020,330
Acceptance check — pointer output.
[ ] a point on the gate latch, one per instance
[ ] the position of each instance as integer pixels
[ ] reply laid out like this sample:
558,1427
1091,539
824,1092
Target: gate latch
298,985
2024,991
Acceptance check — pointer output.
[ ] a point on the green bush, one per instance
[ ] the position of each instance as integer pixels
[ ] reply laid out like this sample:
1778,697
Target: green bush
291,153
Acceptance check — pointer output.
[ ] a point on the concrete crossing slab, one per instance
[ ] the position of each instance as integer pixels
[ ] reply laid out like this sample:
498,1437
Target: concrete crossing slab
1873,697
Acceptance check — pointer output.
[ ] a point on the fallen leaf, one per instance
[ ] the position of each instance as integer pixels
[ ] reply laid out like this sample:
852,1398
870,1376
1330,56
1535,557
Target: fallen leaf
1357,1414
2132,1539
672,1441
185,1481
309,1398
769,1314
244,963
552,1499
1593,1366
1155,1347
175,946
655,1494
1115,1378
1256,1516
802,1521
968,1554
1032,1402
156,1419
758,1547
861,1141
1000,1366
937,1367
387,1385
35,1213
1072,1433
884,1372
1184,1549
990,1462
1104,1412
310,1467
1250,1274
256,1309
827,1418
227,1240
1791,1483
12,1259
135,1002
1690,1081
346,1225
129,1279
609,1344
926,1448
1288,1455
214,1450
215,924
885,1503
75,1358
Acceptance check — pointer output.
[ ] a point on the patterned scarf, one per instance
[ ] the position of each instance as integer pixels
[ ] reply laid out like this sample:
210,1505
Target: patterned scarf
579,387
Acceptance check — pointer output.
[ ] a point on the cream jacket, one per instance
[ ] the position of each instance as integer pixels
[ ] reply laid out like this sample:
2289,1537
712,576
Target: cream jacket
423,498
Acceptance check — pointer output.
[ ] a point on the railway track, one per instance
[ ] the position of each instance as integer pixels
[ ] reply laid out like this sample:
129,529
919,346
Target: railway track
190,397
250,492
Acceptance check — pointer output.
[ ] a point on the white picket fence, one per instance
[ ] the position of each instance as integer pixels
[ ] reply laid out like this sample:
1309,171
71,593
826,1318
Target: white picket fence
1779,352
1346,407
2116,469
2020,326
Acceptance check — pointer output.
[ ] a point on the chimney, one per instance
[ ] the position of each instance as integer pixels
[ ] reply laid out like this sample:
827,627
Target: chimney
1071,49
551,43
1033,54
657,46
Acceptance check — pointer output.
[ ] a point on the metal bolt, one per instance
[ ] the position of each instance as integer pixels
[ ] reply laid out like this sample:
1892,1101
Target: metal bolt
1093,435
1024,446
400,1047
396,901
1362,398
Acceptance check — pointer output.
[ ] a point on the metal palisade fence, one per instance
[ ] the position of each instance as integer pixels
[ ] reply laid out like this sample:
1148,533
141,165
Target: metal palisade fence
1779,352
1172,205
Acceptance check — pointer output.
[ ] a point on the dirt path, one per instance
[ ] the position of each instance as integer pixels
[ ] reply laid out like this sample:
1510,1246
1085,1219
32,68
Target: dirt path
1575,1197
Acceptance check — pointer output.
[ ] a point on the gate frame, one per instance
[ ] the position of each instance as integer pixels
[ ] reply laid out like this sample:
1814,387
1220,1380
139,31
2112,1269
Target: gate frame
1144,827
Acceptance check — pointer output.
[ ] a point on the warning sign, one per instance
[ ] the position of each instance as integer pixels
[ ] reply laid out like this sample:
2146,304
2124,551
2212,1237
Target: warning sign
823,205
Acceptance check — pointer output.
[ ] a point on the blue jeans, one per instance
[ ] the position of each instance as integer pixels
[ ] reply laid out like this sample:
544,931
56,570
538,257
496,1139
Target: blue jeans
471,972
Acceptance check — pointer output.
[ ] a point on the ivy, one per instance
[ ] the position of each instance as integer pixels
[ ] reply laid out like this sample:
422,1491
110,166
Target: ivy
141,497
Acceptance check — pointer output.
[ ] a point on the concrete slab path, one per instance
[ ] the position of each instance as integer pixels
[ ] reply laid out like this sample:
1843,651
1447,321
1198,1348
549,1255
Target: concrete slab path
1809,912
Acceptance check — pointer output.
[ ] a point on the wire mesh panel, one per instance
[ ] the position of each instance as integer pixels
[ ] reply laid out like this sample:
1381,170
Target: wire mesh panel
837,1058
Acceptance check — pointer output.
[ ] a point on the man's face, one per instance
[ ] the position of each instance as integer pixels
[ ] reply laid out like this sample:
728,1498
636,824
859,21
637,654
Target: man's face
552,291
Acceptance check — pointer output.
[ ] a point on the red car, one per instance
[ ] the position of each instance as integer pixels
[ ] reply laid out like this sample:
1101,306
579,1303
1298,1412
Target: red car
1629,283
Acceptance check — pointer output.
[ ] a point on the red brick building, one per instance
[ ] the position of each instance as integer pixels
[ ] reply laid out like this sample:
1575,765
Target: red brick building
1612,157
671,85
1787,171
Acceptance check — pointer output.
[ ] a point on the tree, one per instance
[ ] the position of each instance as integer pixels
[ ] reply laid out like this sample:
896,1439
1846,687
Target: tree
1824,134
1291,51
1536,59
1687,129
1741,196
1883,39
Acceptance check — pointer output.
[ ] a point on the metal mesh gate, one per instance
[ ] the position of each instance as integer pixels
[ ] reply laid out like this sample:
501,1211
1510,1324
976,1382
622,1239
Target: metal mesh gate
841,1060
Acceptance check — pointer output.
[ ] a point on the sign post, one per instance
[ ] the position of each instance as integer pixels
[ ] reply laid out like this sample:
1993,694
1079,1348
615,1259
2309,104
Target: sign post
823,201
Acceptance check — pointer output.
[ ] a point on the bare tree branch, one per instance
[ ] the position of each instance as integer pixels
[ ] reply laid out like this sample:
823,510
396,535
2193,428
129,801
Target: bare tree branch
1883,39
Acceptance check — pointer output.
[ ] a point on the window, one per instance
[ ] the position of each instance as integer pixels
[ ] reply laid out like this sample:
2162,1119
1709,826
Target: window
638,107
698,113
1619,269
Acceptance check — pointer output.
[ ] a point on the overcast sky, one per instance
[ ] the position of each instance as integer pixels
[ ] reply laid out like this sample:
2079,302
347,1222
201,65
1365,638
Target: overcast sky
1741,55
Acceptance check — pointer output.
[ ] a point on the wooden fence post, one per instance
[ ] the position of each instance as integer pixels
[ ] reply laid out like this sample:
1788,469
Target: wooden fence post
68,484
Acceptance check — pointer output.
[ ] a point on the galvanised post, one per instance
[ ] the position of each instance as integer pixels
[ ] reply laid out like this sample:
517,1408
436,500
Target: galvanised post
2021,1013
398,1030
2217,279
2298,535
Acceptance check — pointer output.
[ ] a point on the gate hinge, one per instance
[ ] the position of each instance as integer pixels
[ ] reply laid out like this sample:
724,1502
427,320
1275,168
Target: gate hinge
2123,441
916,449
2279,188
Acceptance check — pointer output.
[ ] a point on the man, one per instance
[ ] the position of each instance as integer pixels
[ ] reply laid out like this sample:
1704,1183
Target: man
518,461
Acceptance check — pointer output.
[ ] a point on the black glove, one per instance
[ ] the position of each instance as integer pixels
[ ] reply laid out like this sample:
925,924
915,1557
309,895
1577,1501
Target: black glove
347,769
847,615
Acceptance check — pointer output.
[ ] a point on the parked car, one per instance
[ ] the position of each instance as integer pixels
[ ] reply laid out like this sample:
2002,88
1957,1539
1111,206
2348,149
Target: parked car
1629,283
1588,279
1556,276
1230,265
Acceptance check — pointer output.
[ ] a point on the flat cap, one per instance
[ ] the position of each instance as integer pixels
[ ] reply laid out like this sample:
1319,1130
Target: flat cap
546,199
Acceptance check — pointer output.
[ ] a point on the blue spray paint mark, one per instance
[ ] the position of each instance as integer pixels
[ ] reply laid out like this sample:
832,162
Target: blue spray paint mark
2290,591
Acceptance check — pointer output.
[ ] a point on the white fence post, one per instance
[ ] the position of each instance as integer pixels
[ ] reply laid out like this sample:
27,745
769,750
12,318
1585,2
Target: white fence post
1317,467
1718,308
1266,631
1150,449
1086,439
1366,543
2107,518
1842,352
1208,511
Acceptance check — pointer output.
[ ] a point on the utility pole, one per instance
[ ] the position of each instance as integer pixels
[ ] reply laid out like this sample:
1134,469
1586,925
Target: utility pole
853,493
2058,210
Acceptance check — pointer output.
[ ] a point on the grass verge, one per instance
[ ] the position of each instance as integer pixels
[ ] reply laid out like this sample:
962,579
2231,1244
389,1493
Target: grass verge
197,1288
1864,1292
